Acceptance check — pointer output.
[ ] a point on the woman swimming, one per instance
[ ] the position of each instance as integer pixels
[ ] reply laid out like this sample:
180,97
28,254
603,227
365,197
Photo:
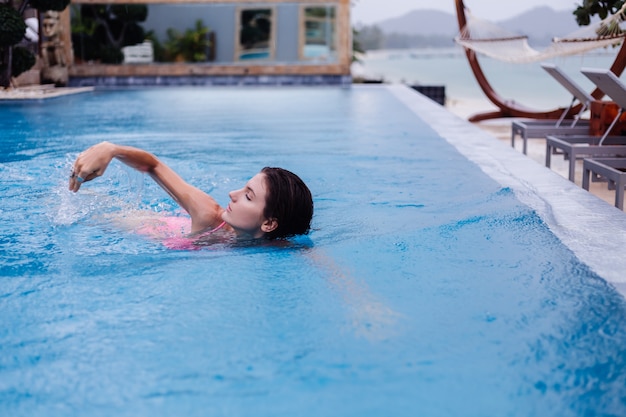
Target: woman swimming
275,203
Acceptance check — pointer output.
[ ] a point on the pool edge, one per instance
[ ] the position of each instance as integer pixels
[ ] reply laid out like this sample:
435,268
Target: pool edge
587,225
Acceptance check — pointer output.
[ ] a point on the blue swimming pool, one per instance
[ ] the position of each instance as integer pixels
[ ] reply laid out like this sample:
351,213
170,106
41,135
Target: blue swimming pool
426,288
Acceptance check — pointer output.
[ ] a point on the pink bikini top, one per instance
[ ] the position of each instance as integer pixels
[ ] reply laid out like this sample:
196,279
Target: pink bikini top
189,243
172,231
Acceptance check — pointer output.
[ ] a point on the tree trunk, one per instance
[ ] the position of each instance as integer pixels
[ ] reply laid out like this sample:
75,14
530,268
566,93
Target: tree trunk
5,76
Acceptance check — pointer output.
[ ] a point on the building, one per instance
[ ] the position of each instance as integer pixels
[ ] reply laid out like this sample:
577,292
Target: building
263,42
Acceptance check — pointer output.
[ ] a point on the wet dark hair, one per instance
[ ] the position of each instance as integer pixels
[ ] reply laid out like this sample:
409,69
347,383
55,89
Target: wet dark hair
289,201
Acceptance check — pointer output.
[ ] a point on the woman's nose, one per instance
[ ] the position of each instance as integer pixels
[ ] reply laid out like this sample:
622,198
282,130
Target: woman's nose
234,194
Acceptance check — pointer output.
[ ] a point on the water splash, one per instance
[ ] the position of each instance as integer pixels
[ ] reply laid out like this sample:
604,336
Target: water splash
121,189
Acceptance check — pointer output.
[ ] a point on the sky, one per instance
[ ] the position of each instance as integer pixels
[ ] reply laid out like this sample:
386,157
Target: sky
373,11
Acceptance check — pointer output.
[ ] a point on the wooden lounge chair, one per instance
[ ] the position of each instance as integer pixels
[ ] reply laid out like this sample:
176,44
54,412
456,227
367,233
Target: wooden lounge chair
539,129
612,170
576,147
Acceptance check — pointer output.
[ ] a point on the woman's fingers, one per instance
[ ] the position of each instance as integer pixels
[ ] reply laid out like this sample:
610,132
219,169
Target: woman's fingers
80,173
90,164
76,180
85,168
78,177
74,183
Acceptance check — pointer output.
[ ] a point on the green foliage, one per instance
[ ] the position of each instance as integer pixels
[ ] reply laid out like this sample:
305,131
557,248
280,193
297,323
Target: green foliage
84,47
370,37
129,12
110,55
157,47
134,34
100,31
23,60
356,46
322,12
590,8
80,24
191,46
43,5
401,40
12,26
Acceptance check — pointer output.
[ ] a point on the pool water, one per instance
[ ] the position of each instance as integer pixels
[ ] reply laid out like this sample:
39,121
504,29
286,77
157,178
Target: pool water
424,289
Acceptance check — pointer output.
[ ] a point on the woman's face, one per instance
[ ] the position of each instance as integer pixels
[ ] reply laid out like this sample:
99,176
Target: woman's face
245,210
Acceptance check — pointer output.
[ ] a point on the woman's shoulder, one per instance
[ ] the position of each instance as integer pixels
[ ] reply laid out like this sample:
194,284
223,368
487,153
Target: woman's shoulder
210,216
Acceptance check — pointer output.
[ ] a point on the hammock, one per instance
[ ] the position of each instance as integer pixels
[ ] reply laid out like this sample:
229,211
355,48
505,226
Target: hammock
493,41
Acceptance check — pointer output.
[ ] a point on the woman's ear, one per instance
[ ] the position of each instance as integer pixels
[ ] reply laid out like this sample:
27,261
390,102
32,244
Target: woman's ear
269,225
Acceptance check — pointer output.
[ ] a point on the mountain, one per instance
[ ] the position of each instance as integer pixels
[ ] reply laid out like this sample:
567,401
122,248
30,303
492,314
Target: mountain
421,22
540,24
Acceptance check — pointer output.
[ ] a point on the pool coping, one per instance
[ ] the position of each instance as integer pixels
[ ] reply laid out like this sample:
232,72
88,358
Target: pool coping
591,228
40,92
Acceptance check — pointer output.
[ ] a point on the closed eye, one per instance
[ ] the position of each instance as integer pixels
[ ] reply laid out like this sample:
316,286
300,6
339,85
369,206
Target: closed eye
249,193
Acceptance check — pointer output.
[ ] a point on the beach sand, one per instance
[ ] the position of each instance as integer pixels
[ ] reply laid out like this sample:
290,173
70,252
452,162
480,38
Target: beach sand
501,129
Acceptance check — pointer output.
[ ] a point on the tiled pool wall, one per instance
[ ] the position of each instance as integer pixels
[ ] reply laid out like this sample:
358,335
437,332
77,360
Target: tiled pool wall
217,80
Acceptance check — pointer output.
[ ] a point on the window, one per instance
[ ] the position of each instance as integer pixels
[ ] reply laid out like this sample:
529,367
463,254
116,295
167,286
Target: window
256,34
318,28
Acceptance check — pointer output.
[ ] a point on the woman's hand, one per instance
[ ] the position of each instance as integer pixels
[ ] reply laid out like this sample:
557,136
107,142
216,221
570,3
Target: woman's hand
91,164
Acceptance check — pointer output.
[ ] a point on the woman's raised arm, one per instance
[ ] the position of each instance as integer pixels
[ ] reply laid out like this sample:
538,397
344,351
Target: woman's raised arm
92,163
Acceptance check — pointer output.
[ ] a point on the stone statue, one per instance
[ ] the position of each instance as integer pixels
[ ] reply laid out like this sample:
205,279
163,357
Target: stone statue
54,68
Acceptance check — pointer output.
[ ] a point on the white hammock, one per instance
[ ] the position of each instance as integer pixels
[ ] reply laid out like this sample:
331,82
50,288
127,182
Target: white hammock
493,41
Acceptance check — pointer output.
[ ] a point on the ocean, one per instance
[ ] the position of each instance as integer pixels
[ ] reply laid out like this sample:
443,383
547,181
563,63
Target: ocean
527,84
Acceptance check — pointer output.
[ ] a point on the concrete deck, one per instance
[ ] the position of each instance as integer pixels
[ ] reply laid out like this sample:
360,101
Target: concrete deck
536,151
39,92
501,129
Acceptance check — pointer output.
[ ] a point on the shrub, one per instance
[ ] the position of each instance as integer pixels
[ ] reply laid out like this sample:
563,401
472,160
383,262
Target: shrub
12,26
23,60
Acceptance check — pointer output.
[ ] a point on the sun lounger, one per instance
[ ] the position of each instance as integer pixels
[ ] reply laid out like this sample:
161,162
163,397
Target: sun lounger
539,129
611,169
579,147
585,146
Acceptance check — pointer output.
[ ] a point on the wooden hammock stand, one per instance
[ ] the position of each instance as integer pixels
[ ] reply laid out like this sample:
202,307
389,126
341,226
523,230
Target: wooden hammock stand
510,109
